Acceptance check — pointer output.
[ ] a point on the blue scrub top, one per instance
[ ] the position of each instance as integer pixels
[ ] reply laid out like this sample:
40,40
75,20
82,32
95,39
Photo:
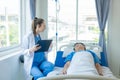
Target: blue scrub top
95,57
38,56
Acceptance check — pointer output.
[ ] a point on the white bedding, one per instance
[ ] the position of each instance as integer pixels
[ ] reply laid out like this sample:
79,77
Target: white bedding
82,63
106,72
57,71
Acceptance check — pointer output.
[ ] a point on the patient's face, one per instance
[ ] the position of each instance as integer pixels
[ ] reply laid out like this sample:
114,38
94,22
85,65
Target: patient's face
79,47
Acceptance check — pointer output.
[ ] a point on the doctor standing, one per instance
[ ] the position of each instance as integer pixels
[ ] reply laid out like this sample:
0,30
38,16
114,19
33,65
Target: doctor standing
35,63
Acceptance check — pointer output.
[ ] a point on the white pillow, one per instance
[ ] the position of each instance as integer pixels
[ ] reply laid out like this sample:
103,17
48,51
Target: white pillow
96,49
67,51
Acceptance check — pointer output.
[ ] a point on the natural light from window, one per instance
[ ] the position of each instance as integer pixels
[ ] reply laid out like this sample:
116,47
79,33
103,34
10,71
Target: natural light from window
9,23
76,20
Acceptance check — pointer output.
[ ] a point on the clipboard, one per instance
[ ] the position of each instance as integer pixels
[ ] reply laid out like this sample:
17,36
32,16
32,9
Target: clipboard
45,44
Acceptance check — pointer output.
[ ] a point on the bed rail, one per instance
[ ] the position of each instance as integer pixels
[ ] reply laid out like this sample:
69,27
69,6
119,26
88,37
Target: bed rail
71,77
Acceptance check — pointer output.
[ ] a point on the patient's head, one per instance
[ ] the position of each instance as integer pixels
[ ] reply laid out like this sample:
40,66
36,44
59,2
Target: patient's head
79,46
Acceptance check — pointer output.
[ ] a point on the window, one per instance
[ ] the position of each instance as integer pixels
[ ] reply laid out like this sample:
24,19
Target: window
52,28
66,22
72,20
87,21
9,23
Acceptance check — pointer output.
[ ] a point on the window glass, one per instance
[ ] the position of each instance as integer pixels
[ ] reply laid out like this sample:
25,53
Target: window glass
66,20
88,29
72,20
52,28
65,25
9,23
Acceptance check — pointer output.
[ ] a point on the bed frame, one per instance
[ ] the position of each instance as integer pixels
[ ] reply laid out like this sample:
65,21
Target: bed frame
72,77
76,76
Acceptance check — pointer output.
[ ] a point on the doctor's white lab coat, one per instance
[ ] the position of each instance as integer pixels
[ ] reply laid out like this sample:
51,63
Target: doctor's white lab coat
28,42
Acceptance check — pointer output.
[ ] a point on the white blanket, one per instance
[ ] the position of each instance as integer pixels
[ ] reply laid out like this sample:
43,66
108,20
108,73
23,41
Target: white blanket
106,72
82,63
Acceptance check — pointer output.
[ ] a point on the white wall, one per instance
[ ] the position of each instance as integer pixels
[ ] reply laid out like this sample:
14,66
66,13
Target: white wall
114,38
11,68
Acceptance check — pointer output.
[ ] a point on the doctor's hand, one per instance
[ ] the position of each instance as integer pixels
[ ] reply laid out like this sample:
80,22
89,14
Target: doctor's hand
34,48
51,45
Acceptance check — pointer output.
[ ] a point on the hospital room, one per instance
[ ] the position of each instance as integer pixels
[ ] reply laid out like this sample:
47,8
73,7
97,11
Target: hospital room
59,39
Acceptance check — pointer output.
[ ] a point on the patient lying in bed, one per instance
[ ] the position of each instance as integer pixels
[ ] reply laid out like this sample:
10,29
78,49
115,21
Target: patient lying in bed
82,61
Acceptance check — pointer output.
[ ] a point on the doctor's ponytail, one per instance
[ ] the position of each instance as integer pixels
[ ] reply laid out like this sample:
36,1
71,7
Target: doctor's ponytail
35,22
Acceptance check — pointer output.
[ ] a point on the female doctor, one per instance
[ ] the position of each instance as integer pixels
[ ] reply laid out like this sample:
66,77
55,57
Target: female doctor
35,63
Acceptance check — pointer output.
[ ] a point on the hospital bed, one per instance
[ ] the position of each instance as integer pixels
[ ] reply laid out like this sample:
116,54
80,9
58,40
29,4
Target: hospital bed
59,63
56,75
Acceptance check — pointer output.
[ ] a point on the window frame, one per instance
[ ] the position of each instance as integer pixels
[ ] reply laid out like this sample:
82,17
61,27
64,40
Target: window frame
22,24
76,27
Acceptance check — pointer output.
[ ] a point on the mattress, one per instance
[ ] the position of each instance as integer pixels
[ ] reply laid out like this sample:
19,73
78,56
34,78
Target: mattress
58,71
106,72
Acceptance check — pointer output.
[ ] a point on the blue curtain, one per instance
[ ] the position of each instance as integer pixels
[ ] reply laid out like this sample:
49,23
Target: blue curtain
33,8
102,8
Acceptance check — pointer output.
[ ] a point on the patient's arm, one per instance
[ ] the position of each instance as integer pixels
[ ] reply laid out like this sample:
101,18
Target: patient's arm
99,68
64,71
